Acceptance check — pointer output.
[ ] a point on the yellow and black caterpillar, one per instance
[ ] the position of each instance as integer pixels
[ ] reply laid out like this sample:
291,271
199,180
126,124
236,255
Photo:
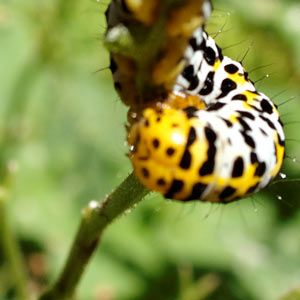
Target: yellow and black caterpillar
212,136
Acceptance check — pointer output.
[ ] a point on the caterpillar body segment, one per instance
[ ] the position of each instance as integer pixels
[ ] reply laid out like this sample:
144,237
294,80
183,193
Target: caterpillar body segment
154,69
208,73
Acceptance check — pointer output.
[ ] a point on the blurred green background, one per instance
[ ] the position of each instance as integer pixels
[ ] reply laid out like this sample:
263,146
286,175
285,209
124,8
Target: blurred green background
62,137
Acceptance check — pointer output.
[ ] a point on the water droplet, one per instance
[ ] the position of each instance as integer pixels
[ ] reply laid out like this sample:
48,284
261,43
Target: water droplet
133,115
93,204
282,175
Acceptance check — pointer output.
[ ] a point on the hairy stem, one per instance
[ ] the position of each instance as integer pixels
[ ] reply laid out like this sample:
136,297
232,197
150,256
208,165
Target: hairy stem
95,218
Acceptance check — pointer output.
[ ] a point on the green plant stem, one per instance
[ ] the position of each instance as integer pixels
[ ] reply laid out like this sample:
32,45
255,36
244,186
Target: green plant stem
95,218
12,251
10,140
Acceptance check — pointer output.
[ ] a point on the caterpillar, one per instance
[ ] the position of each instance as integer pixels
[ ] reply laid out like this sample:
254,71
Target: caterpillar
163,64
213,136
